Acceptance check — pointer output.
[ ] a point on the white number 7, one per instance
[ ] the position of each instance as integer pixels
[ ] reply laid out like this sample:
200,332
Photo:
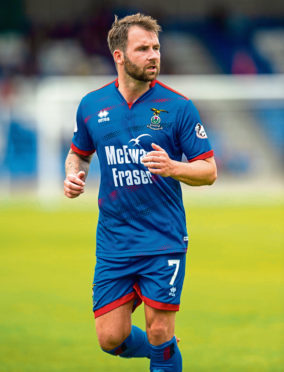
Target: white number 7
171,263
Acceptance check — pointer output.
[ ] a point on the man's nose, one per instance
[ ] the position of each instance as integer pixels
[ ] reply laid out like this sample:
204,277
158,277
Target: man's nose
154,54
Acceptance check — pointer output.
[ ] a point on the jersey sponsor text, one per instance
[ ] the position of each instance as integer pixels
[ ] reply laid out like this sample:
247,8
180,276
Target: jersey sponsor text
126,155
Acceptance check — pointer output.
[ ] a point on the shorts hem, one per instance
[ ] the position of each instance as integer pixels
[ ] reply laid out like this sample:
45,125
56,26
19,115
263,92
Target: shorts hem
115,304
155,304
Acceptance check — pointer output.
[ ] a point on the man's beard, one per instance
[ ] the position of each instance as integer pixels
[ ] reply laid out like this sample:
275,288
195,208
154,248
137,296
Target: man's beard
138,73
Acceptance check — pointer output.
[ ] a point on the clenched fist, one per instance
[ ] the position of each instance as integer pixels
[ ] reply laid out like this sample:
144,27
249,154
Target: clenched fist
74,184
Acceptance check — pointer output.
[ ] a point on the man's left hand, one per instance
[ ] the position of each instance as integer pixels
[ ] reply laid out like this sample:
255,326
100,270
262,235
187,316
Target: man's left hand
158,162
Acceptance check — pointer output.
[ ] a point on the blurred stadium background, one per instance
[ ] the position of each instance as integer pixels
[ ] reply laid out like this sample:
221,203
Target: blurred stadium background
228,57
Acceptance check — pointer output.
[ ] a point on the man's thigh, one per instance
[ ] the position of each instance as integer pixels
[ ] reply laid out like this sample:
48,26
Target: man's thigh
114,326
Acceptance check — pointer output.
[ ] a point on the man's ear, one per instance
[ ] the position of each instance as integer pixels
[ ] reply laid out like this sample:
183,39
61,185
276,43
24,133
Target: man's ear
118,57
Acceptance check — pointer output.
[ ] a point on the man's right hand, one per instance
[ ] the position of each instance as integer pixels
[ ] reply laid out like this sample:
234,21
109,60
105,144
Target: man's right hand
74,184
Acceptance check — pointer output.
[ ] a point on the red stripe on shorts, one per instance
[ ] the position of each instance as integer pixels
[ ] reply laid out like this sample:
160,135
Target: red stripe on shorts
115,304
155,304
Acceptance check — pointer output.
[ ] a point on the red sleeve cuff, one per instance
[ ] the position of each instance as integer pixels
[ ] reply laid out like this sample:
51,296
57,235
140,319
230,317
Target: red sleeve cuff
81,152
203,156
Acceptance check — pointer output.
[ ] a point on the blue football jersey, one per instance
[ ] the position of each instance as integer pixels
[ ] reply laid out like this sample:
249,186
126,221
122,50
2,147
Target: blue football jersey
140,213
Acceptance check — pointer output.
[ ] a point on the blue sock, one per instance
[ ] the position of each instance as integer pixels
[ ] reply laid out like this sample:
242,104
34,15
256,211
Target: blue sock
166,357
136,345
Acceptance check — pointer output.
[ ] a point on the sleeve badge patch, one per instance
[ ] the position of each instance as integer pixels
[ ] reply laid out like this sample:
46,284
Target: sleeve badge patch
200,131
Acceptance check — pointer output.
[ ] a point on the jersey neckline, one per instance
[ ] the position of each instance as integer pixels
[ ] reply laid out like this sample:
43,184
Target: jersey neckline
130,104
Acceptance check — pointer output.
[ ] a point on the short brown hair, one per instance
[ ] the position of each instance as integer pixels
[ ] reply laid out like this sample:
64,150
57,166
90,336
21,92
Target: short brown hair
118,34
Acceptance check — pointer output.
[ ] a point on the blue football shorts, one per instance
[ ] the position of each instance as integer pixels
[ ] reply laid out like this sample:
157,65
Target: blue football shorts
155,280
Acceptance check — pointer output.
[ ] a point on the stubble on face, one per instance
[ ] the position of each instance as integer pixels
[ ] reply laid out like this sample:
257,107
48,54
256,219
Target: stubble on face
138,73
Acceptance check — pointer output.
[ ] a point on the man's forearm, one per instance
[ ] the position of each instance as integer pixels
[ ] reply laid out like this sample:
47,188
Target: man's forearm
75,163
197,173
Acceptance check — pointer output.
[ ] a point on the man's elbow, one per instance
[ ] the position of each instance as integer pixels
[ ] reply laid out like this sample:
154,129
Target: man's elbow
212,177
211,171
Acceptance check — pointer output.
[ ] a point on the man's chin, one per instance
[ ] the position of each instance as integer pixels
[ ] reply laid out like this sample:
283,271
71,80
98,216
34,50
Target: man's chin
151,76
146,77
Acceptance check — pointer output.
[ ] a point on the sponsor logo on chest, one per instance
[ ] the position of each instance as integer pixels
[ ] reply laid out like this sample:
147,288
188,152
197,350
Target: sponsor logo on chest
103,116
124,155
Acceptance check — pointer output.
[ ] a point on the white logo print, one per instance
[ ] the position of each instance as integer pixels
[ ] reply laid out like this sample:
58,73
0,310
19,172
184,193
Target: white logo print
172,291
126,154
136,140
103,116
200,131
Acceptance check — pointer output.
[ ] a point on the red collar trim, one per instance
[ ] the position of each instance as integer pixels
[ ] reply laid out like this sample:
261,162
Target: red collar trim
153,83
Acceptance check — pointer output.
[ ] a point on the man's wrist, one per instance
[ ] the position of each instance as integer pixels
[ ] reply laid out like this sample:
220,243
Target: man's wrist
175,169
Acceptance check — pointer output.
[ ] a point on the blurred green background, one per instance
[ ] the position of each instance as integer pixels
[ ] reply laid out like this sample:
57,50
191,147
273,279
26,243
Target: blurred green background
231,316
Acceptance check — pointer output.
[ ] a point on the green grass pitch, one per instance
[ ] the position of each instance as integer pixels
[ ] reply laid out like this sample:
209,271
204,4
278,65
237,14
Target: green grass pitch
231,316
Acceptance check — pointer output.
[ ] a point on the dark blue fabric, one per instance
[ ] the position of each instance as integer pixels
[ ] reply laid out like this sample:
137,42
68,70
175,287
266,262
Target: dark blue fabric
140,213
166,357
159,277
135,346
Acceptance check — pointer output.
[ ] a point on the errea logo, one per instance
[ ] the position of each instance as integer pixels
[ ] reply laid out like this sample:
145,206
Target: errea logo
103,116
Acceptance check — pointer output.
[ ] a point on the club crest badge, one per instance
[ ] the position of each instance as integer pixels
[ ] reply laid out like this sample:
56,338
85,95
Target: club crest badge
156,120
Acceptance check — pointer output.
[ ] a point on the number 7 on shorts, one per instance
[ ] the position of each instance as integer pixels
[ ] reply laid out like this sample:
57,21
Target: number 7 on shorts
172,263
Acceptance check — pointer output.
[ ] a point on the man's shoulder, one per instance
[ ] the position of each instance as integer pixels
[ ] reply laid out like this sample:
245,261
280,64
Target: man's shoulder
97,93
169,91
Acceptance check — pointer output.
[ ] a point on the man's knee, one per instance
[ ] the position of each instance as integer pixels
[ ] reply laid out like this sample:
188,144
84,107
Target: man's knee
160,325
159,332
111,338
114,327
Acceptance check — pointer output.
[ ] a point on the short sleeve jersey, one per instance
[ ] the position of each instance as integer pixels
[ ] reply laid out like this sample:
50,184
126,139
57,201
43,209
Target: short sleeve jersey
139,213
